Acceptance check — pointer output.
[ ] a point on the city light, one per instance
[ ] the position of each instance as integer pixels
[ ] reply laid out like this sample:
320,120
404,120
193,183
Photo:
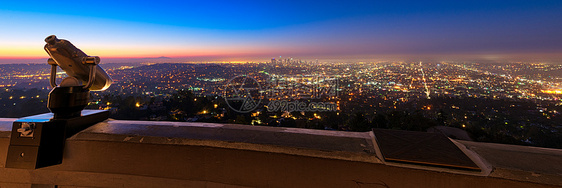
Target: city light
460,92
558,91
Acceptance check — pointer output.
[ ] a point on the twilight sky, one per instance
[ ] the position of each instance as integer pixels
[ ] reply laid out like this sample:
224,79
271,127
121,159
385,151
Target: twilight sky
233,29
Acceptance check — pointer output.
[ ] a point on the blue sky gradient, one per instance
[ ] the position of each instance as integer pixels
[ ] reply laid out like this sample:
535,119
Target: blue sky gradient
288,28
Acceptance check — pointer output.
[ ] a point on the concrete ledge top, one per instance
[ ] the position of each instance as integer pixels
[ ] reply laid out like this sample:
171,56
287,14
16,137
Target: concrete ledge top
355,146
523,163
6,124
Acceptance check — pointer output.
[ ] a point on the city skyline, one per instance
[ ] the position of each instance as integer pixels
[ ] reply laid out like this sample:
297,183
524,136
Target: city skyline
243,31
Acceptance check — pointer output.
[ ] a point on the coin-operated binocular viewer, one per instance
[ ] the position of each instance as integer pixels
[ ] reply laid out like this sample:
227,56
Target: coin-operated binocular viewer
38,141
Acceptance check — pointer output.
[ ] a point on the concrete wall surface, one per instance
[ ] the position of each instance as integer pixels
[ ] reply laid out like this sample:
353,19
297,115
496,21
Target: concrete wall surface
117,153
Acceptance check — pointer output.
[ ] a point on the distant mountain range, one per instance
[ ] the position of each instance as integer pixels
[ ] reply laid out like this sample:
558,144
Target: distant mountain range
157,58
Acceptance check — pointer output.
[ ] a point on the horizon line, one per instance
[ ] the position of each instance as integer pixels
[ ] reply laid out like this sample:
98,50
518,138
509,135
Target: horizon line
557,57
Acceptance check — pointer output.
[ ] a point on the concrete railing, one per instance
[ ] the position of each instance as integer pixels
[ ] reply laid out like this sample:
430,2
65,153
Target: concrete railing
118,153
